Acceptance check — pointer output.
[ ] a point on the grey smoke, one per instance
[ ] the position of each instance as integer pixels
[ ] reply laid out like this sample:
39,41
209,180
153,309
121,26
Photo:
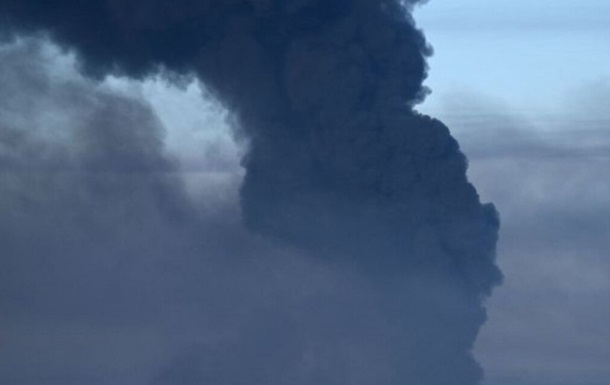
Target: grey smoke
389,251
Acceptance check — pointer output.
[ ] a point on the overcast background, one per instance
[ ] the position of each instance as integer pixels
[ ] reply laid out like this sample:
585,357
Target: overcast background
524,86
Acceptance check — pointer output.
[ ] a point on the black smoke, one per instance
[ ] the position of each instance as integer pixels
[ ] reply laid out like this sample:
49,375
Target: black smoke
339,167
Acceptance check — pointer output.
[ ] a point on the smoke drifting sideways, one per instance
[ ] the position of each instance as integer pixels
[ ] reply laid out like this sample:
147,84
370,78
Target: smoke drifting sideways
340,170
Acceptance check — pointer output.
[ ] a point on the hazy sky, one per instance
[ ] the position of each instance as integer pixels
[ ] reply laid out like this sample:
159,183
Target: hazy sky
529,54
523,85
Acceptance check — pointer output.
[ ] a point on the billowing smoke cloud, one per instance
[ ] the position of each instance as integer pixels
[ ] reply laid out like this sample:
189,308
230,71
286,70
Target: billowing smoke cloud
340,168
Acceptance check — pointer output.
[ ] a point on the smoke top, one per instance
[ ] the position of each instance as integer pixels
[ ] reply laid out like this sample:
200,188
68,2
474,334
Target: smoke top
369,253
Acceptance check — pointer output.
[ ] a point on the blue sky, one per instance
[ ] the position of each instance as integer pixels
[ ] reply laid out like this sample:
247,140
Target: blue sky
532,55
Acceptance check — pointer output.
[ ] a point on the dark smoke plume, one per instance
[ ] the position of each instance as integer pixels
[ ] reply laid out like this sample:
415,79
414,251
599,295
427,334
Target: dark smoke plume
340,167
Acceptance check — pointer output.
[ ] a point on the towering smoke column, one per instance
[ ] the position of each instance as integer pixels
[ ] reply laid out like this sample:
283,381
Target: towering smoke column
339,165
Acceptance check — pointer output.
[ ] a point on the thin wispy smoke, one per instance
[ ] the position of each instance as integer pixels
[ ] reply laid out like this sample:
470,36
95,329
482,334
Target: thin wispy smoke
395,251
